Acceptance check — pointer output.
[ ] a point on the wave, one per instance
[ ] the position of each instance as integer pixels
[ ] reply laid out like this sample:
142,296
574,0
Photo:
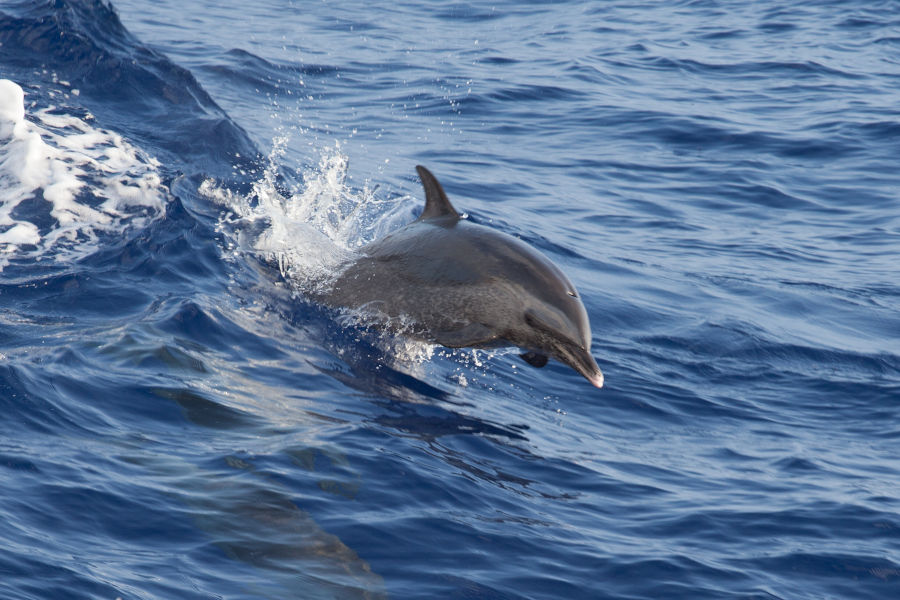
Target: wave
129,87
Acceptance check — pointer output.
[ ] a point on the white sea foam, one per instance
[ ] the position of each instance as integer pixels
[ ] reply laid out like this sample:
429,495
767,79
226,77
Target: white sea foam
87,182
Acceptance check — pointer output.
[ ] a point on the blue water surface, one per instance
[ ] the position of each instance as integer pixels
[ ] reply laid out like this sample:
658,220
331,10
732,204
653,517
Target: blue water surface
718,179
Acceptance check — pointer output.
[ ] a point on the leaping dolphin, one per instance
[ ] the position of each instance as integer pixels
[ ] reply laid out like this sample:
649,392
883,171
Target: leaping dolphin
448,281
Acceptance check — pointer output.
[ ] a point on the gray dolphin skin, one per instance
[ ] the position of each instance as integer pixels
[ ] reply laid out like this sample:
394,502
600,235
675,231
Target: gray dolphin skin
445,280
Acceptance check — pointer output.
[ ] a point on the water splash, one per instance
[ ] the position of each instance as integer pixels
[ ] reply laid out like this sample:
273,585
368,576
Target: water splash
308,230
66,183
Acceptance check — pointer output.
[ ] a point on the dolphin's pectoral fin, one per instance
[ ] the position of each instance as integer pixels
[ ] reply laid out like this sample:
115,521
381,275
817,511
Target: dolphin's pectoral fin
534,359
473,334
436,202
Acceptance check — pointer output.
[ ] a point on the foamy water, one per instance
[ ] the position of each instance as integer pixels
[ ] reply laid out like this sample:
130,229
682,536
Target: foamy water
66,183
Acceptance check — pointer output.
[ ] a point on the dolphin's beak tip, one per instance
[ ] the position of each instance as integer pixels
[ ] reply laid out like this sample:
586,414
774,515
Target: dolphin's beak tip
586,366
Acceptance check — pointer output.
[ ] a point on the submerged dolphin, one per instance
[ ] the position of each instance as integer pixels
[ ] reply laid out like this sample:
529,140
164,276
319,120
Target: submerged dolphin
446,280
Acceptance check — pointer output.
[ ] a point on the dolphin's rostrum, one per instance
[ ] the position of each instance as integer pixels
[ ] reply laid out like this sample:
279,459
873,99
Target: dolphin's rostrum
452,282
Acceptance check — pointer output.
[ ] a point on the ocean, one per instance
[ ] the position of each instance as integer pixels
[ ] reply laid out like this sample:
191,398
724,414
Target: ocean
180,420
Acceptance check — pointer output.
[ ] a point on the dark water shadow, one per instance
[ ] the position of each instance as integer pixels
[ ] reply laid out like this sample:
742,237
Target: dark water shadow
251,517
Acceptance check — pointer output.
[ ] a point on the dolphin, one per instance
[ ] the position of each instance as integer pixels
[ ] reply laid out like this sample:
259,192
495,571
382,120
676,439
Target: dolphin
445,280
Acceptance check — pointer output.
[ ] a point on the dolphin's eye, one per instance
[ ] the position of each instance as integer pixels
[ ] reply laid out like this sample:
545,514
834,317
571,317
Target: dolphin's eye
571,293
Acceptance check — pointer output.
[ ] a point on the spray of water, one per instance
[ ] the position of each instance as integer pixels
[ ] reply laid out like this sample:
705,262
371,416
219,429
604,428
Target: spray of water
308,230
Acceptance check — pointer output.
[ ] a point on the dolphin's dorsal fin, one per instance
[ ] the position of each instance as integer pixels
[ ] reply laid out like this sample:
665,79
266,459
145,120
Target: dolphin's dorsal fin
436,202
